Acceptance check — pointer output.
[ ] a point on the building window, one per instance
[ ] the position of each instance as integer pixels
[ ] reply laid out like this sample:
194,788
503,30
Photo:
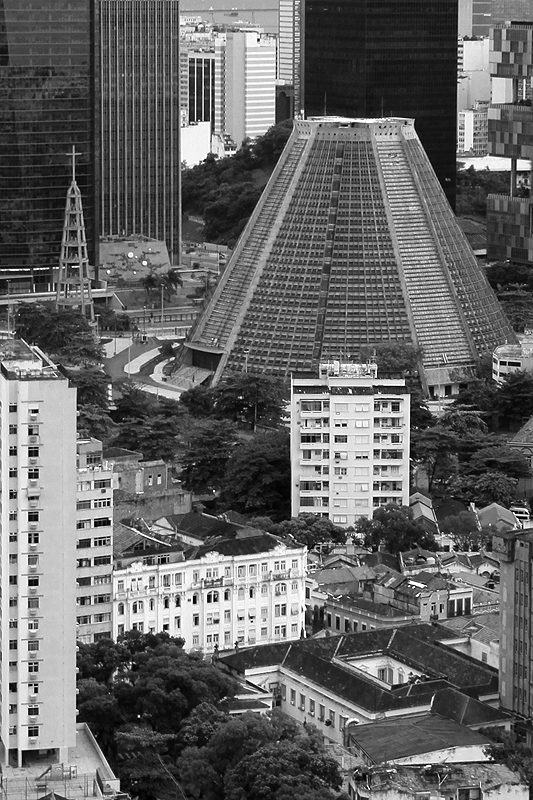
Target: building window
196,619
302,702
33,731
33,666
293,697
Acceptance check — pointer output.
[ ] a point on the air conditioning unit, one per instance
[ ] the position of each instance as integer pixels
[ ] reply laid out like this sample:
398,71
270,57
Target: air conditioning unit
33,481
33,502
33,546
32,740
32,526
32,439
33,567
32,460
33,718
34,696
32,589
32,612
32,634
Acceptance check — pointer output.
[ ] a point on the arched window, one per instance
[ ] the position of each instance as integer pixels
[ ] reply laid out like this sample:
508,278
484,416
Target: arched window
166,602
195,599
226,594
121,609
151,605
177,601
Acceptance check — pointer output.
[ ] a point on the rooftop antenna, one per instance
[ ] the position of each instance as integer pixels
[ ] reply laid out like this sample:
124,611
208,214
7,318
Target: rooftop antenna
73,282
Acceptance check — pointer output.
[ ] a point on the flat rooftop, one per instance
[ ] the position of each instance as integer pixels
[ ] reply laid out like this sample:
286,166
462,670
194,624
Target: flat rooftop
42,775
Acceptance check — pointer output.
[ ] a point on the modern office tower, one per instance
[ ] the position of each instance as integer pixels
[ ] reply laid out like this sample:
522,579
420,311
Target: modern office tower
247,587
38,456
289,47
220,84
509,231
375,58
250,85
47,105
94,543
515,551
140,119
349,442
352,243
202,86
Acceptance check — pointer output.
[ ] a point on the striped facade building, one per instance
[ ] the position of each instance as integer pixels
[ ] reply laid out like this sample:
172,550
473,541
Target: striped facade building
140,119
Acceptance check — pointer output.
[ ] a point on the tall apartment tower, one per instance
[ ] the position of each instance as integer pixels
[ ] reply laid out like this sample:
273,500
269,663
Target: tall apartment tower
349,442
140,119
352,243
38,456
94,542
509,228
48,90
362,58
515,551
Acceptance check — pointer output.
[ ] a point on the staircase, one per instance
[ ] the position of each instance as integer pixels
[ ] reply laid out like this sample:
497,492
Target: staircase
236,281
436,313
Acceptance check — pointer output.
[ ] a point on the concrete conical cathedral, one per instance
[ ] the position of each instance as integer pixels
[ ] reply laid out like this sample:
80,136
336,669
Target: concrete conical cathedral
351,244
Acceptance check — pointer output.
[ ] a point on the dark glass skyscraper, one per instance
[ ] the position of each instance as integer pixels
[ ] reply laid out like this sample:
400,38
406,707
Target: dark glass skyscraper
140,119
47,91
375,58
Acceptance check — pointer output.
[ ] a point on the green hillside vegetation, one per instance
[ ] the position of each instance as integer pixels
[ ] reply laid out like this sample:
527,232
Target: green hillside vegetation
473,186
224,191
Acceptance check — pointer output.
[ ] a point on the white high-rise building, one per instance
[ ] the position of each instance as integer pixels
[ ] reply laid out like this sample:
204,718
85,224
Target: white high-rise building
38,546
94,543
349,442
250,85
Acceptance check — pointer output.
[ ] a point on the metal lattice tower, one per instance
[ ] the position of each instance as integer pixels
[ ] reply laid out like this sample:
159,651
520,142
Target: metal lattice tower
73,283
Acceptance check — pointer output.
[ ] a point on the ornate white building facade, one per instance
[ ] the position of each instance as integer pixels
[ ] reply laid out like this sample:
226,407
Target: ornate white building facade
248,588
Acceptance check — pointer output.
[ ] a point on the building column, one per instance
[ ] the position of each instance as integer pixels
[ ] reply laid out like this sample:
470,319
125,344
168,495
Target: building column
513,177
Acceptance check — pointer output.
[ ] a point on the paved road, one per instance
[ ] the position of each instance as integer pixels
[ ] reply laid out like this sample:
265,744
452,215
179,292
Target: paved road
114,367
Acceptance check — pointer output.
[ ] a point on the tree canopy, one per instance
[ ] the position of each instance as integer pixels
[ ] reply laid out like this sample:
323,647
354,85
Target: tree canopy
256,758
258,475
225,191
161,717
209,446
66,336
393,527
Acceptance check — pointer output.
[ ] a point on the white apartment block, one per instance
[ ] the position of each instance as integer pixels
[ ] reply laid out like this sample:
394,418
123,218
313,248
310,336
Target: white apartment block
38,513
250,85
248,588
349,442
94,543
473,130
